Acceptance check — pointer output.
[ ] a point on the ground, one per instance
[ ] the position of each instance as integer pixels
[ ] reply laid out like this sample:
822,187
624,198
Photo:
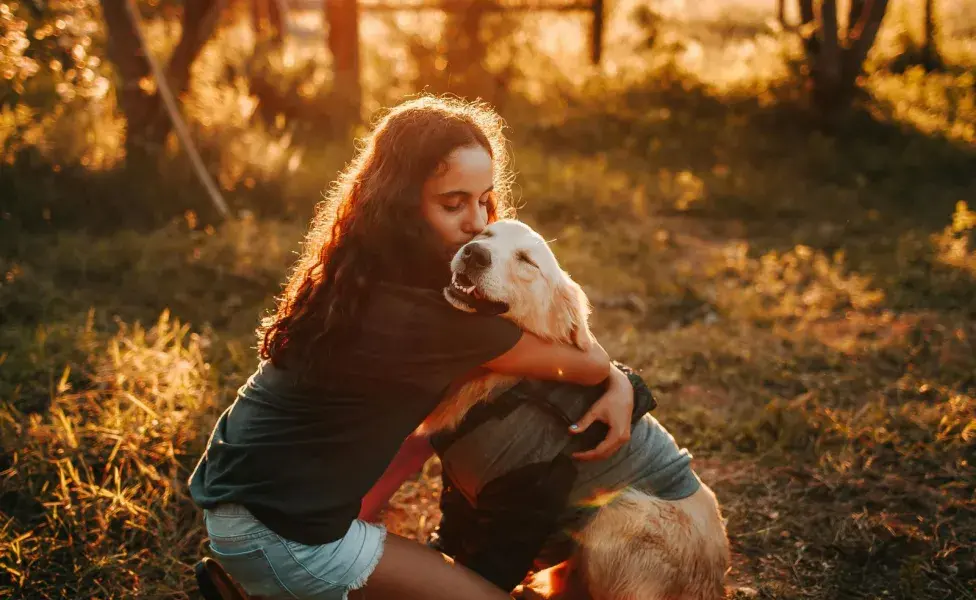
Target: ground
802,302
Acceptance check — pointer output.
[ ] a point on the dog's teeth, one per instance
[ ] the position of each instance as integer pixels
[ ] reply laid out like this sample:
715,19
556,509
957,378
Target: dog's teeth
468,290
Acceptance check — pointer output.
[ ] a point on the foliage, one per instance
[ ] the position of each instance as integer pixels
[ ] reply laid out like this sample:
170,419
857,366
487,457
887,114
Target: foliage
53,72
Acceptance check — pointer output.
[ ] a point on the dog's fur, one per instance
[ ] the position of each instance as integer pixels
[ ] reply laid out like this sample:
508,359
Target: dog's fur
637,546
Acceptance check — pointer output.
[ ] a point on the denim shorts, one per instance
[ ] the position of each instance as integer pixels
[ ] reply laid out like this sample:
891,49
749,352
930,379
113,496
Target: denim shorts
268,565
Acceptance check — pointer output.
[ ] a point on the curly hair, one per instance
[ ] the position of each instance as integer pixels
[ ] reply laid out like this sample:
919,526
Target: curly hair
370,227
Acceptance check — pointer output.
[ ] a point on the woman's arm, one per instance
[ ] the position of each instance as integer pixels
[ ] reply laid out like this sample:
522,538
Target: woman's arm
411,457
536,358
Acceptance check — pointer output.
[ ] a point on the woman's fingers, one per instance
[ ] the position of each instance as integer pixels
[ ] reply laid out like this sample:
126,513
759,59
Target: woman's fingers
614,441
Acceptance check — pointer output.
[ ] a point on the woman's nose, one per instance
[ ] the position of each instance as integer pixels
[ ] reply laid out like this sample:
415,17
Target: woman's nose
476,219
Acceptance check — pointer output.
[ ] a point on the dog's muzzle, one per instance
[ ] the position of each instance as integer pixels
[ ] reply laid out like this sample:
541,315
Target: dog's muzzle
475,257
474,261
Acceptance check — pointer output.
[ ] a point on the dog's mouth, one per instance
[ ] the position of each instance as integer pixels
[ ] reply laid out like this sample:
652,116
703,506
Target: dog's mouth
464,294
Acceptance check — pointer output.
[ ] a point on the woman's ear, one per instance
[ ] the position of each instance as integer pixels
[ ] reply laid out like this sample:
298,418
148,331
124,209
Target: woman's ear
571,313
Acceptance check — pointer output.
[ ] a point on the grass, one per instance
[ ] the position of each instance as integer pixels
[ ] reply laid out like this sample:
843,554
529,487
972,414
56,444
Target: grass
804,305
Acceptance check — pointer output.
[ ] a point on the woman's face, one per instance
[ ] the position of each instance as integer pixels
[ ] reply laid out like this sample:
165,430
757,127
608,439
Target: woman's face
455,199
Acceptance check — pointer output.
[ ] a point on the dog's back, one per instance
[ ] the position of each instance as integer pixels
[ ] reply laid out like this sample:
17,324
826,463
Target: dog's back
640,547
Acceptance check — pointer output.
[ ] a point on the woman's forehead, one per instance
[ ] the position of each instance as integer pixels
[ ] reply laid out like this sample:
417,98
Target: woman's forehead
469,169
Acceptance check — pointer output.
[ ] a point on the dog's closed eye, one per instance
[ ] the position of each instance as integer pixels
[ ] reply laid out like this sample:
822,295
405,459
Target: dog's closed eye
524,257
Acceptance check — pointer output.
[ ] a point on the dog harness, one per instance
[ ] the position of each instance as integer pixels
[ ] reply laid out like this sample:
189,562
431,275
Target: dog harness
513,496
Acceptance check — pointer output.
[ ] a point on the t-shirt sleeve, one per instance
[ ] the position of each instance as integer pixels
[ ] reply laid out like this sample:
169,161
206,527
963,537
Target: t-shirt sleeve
450,342
434,343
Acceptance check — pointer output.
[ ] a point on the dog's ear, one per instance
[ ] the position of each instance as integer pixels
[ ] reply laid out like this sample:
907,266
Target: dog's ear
571,314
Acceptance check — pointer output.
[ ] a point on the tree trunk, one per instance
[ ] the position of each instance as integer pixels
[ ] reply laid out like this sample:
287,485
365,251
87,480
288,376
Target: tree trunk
139,106
931,57
861,37
827,67
854,13
808,30
266,20
146,122
465,49
835,62
596,34
200,19
342,17
199,22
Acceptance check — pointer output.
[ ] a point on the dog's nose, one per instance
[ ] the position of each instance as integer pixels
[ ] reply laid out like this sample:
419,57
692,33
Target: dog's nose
476,256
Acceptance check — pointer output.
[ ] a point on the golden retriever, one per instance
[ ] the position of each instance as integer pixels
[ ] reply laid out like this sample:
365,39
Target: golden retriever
637,546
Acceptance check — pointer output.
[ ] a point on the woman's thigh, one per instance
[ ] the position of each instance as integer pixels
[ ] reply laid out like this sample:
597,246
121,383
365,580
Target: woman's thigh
267,565
408,570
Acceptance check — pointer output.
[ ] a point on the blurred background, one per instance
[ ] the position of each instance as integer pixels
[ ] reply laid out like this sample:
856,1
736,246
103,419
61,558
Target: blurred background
771,206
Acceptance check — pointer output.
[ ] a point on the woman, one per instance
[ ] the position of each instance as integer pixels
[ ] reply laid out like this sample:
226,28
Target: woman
361,348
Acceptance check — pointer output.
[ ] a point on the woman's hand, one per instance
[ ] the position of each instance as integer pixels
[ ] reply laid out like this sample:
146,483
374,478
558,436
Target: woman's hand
615,408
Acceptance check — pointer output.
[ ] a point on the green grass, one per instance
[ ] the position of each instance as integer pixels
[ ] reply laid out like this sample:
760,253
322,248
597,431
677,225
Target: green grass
803,303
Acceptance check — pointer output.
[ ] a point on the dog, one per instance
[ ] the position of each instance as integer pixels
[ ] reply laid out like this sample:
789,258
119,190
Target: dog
635,542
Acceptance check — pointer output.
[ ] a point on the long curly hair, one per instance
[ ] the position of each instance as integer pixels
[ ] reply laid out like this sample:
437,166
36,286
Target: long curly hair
370,227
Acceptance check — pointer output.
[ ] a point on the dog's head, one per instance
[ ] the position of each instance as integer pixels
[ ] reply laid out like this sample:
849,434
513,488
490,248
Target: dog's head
510,270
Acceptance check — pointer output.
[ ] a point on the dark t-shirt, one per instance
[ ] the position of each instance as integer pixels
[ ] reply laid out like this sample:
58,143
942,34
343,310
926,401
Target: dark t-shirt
300,457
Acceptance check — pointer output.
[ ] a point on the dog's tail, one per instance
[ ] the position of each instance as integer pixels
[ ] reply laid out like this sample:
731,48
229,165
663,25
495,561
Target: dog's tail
640,547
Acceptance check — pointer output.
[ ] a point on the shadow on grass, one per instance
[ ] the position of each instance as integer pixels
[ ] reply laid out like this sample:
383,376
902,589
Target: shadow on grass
40,196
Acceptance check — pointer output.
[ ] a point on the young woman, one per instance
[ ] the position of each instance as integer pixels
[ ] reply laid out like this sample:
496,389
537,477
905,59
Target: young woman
361,348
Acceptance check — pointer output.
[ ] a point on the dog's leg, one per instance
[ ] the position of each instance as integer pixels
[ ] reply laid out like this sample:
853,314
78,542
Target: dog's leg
703,509
642,547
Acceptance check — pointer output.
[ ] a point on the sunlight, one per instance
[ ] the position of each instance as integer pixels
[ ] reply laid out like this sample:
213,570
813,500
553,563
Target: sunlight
952,245
543,583
601,498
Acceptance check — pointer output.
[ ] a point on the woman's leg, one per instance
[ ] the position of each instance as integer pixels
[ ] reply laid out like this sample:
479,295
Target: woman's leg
409,570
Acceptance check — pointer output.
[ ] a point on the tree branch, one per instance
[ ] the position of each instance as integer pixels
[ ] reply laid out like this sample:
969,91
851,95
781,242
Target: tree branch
863,35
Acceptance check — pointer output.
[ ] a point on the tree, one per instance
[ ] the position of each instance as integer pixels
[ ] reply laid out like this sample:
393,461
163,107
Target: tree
147,124
342,17
836,59
266,19
931,57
